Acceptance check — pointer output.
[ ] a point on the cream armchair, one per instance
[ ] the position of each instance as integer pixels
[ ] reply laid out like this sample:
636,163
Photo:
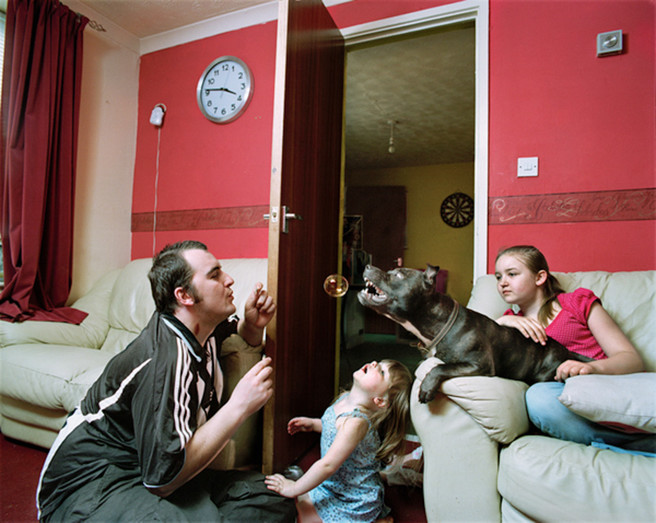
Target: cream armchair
480,466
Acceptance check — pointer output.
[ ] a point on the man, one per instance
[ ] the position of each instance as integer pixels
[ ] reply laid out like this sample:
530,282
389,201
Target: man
141,445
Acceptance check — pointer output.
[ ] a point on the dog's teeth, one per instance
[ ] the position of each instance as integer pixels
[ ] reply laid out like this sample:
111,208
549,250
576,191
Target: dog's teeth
375,292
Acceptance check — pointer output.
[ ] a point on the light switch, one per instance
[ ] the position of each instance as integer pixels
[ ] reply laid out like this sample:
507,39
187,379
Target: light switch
609,43
527,166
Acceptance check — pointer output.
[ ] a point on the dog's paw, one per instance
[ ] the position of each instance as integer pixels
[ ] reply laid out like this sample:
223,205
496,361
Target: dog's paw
427,392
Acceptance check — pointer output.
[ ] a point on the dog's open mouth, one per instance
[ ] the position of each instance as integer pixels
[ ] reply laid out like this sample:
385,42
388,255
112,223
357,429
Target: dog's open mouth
373,293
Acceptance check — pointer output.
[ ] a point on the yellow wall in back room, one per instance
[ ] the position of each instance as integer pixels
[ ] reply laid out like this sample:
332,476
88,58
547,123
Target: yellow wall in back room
429,239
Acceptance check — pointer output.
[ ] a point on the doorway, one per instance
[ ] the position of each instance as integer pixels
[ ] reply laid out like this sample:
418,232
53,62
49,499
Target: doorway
413,120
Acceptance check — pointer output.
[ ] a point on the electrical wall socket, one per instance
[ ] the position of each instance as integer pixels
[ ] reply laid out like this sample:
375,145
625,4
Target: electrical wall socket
527,166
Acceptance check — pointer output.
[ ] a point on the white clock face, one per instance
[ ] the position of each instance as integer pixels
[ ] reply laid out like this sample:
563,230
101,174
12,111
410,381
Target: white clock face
224,89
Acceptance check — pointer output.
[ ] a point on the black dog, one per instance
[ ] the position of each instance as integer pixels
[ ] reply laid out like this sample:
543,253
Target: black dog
469,343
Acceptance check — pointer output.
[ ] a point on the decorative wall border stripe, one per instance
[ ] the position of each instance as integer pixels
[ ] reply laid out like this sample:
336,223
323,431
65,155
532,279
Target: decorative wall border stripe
246,217
593,206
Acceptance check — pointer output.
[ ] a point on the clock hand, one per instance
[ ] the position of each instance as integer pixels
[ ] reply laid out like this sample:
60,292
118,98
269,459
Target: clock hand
221,89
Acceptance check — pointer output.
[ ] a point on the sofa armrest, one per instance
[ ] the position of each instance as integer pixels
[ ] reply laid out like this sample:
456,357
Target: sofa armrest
460,460
237,357
90,333
496,404
460,431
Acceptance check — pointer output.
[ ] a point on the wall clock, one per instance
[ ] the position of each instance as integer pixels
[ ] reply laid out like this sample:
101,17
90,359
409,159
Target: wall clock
457,209
224,90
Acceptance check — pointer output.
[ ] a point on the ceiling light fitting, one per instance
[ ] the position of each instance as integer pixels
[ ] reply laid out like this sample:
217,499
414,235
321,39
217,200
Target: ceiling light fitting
391,147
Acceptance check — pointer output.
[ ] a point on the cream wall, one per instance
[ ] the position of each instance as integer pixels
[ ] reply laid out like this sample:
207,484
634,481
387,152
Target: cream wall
429,239
106,155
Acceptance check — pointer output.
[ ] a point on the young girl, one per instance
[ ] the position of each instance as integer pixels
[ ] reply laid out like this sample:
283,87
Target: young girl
579,322
363,429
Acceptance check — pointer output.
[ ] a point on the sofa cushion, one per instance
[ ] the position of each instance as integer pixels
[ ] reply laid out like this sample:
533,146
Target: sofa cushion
32,415
117,340
51,376
131,304
497,404
553,480
624,401
486,299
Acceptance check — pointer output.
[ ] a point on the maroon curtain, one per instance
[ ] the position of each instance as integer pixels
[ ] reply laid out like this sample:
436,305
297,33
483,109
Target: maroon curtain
40,108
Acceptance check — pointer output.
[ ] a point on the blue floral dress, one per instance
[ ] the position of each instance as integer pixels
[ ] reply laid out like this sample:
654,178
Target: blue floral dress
355,491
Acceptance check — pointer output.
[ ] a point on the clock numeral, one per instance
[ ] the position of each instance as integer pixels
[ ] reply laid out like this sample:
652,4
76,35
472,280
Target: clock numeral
210,81
209,103
233,107
239,98
240,75
243,86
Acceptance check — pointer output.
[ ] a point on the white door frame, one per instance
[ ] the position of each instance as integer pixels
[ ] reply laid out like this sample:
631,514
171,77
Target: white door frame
467,10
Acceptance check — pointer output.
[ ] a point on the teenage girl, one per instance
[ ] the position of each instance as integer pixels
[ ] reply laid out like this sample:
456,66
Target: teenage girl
360,432
579,322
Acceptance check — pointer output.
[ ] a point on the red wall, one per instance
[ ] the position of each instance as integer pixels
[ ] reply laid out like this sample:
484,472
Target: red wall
591,122
204,165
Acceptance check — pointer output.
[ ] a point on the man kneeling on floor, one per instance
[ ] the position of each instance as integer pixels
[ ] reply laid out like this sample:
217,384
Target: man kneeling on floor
141,445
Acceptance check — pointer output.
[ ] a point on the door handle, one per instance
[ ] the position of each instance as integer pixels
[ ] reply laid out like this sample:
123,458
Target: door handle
273,216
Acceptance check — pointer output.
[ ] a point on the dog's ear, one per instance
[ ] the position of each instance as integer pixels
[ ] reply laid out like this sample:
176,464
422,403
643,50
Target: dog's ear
430,274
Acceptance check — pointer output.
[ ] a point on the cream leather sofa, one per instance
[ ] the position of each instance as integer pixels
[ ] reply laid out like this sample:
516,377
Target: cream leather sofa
46,367
479,465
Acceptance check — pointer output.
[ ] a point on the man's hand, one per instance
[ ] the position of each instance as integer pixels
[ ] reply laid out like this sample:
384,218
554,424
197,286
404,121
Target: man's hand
254,388
258,311
259,307
250,394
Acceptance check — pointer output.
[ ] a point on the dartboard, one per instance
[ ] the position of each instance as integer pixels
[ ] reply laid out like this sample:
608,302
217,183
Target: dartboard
457,209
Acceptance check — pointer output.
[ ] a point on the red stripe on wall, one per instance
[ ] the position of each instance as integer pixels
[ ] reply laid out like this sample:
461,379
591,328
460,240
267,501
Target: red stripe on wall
594,206
202,219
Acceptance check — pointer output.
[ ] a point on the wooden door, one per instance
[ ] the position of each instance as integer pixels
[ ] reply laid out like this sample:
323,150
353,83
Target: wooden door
305,178
383,211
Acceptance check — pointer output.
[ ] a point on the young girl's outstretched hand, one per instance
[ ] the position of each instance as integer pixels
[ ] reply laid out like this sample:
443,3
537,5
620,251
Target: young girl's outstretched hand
304,425
351,432
280,484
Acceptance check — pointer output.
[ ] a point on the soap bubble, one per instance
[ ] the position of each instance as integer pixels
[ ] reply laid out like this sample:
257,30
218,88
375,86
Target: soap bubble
335,285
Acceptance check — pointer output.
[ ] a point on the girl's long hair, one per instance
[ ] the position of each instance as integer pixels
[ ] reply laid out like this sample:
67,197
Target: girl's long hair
536,262
391,422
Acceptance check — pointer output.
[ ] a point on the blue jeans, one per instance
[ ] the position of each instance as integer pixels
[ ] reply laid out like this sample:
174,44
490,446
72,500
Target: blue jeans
553,418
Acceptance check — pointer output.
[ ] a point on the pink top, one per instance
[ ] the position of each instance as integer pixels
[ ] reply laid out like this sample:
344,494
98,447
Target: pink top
570,326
